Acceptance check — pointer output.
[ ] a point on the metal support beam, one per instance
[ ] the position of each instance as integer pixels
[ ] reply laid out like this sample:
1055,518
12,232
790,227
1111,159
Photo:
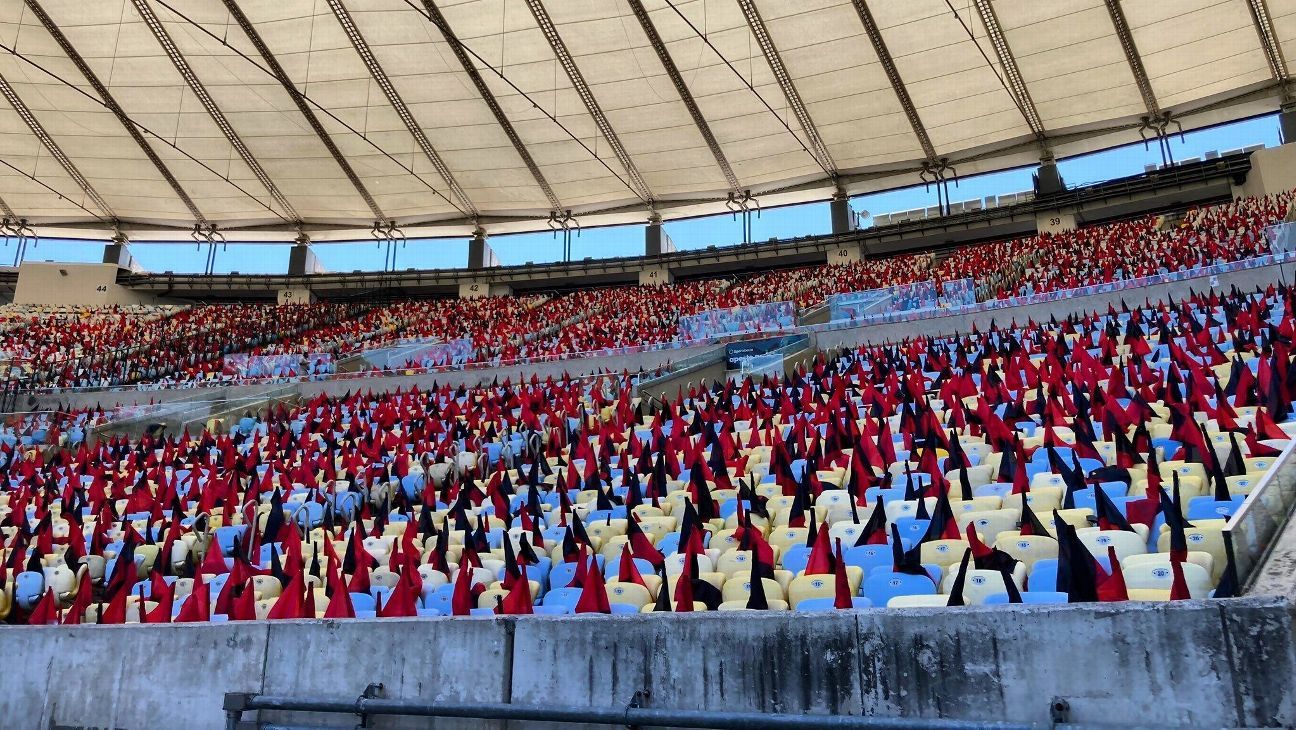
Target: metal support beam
35,126
668,63
893,75
1132,57
398,104
541,15
817,147
1012,75
218,117
302,107
75,57
470,69
1269,43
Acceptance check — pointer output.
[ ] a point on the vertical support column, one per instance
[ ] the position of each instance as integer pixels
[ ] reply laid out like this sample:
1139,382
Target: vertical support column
1287,123
117,253
1048,180
480,254
656,240
301,259
843,218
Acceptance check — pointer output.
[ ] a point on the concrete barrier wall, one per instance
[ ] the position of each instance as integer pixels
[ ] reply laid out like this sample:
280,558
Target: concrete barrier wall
574,367
1187,664
1247,280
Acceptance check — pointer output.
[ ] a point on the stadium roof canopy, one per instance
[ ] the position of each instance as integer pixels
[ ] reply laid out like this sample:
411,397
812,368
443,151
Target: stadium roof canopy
327,115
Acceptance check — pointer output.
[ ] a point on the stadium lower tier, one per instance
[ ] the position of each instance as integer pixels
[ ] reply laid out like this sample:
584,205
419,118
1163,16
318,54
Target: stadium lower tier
1091,459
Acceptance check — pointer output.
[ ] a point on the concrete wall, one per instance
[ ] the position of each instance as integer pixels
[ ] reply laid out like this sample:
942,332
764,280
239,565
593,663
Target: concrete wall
846,253
656,275
483,288
295,295
1273,170
1187,664
1055,221
73,284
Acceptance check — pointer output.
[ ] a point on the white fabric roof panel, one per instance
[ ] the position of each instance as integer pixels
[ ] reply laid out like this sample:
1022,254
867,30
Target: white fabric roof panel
1084,81
1197,53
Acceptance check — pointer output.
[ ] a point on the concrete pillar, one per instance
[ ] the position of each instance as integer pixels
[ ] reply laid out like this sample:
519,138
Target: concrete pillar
656,240
481,288
1048,180
302,260
117,253
295,295
846,253
1054,221
1287,123
655,276
843,218
480,254
74,284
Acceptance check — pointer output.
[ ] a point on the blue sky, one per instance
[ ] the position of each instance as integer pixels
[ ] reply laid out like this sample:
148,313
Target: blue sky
721,230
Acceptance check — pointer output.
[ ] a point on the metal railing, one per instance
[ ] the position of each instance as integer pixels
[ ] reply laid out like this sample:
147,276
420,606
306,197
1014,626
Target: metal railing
632,715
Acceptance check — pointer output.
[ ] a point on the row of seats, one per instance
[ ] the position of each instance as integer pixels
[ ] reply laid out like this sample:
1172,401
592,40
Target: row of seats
1094,458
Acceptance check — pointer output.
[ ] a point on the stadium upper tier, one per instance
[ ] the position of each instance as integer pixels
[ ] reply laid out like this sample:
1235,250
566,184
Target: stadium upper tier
58,347
326,117
1090,459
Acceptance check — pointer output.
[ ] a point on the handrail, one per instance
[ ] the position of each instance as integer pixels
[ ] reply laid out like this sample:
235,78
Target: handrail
632,715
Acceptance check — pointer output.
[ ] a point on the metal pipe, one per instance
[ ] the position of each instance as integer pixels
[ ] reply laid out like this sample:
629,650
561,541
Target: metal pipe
630,716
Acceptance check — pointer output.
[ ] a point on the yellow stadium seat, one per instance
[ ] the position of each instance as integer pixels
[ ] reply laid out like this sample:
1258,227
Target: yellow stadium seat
1027,548
979,584
1205,536
1148,594
631,594
1126,543
785,537
773,603
1078,517
989,524
1205,560
1160,577
810,586
943,552
738,589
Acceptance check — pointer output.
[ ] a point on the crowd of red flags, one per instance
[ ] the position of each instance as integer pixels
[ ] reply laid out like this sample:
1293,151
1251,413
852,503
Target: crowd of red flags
160,496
